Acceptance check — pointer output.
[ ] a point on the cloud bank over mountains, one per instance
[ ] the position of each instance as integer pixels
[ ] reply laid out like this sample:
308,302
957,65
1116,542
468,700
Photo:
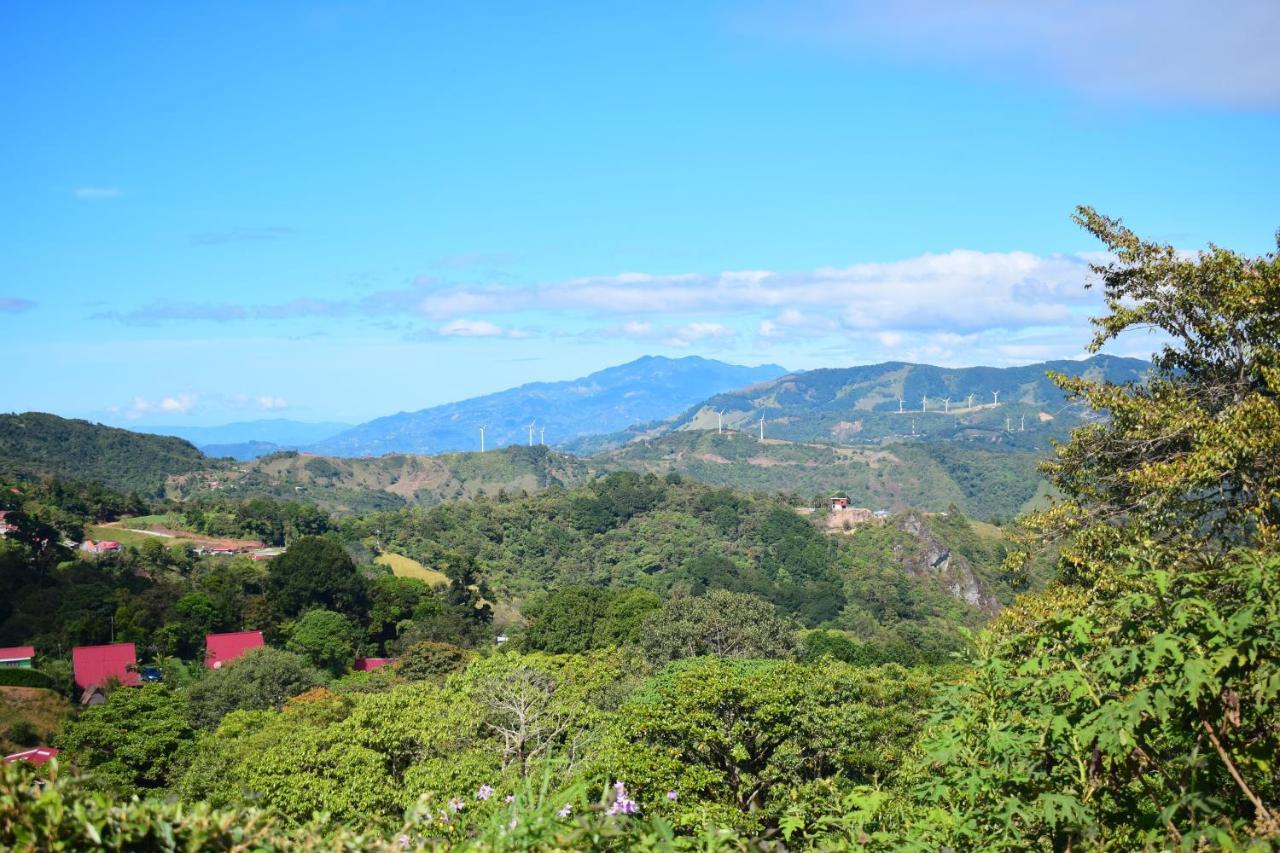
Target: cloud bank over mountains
958,293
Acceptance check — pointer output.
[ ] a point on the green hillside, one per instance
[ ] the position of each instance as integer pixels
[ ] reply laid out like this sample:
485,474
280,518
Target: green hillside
38,444
894,477
912,575
1011,408
351,485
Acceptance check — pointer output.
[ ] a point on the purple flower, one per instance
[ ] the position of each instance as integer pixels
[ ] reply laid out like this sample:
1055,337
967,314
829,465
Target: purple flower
404,842
672,796
513,823
620,788
485,792
566,811
623,805
456,804
509,798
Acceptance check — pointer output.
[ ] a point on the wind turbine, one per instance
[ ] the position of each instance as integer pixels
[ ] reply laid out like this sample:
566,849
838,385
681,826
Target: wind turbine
542,435
913,426
970,401
482,439
1008,424
924,403
900,404
720,422
531,433
762,428
1022,424
946,405
995,398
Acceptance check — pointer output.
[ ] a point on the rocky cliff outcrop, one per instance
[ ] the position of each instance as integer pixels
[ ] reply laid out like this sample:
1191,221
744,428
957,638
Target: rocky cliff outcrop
930,559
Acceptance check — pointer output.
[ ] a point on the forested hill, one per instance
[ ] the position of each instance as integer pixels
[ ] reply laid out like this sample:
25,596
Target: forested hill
606,401
347,486
914,576
856,405
984,482
38,444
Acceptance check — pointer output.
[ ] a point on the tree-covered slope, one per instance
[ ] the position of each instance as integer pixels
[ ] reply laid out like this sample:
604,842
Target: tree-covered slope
893,477
1010,407
343,485
35,443
674,536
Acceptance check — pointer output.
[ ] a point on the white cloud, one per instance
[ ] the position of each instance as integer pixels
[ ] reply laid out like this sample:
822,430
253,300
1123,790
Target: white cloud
176,404
961,290
97,193
1163,50
463,328
268,402
889,339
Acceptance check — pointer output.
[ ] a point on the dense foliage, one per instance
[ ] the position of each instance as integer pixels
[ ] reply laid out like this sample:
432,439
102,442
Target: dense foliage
1137,705
38,444
688,667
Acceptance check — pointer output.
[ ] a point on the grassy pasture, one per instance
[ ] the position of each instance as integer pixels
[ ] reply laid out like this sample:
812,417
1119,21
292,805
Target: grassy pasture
403,567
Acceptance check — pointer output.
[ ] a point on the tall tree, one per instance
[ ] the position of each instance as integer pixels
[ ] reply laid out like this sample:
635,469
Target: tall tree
1137,704
316,573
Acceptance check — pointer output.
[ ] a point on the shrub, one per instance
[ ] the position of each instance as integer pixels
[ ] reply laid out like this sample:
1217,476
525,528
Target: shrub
25,678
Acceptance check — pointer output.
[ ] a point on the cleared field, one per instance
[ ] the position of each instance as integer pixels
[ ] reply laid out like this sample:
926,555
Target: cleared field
404,567
145,522
986,531
44,710
135,531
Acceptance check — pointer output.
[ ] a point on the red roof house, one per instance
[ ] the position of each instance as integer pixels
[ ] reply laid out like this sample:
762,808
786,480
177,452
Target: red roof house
224,648
96,665
370,664
38,755
16,656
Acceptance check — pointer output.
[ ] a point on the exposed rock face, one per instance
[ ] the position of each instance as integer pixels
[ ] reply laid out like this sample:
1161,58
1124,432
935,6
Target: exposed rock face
931,559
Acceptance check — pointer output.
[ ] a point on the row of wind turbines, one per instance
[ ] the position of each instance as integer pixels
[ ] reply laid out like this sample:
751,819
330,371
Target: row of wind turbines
924,407
946,403
542,435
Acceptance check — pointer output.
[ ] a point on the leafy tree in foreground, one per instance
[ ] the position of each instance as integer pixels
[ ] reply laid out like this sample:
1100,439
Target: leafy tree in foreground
134,742
727,624
741,743
1138,706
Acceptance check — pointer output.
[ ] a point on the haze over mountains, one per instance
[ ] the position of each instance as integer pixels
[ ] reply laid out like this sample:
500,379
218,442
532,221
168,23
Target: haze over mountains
860,405
249,439
609,400
825,431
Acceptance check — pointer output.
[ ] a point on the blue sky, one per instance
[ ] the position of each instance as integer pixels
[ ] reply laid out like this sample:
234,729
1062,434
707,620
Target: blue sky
227,211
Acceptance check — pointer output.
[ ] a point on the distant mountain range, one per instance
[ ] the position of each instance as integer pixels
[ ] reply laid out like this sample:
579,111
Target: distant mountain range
825,431
1015,407
604,402
250,439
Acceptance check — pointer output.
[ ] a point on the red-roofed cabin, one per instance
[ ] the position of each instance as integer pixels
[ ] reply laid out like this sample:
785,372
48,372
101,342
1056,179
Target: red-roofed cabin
96,665
370,664
38,755
839,503
224,648
16,657
101,547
